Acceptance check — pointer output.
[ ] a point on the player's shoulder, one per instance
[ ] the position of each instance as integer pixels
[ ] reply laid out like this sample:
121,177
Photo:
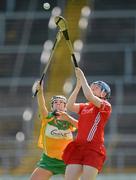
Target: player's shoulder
106,105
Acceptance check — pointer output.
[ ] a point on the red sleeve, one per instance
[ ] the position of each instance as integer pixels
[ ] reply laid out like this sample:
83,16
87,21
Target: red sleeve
105,106
81,106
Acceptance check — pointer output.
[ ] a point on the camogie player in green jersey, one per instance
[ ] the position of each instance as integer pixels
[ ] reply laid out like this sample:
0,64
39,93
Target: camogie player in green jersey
55,135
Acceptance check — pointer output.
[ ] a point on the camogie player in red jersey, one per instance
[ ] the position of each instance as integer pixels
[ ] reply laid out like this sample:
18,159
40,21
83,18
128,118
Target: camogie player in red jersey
86,154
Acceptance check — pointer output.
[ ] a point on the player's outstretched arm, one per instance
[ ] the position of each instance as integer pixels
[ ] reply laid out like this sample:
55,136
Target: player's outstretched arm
41,101
71,104
86,89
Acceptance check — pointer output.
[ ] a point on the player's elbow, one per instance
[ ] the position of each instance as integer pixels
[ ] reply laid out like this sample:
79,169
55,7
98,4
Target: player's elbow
70,106
89,96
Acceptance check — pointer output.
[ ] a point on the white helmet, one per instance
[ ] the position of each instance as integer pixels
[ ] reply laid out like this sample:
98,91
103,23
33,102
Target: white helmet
63,98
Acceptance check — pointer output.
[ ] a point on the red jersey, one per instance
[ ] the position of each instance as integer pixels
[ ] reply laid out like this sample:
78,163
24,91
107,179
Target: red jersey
92,121
88,147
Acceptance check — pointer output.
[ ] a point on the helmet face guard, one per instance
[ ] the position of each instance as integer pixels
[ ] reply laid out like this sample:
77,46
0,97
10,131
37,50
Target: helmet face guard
104,87
63,98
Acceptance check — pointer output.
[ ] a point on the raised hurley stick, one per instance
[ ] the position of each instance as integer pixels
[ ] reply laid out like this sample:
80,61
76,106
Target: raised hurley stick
62,25
58,38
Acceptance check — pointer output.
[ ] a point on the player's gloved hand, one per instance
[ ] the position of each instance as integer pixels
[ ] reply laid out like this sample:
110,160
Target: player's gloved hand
37,87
